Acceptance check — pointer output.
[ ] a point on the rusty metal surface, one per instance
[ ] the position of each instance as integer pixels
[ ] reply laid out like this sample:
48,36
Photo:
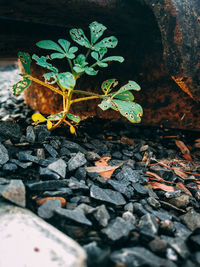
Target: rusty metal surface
179,23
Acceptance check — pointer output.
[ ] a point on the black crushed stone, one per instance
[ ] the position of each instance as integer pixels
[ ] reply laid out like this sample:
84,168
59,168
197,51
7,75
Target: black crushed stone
119,221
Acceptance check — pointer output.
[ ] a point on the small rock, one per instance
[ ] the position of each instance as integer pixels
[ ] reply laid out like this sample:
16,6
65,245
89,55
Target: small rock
139,209
148,225
117,155
30,134
15,192
122,187
180,202
59,167
48,173
92,156
128,174
138,256
80,173
10,130
3,154
140,189
167,227
46,210
73,147
77,185
178,244
64,151
158,245
181,230
191,219
47,185
74,215
51,150
107,195
129,207
77,161
42,133
102,215
23,165
96,255
171,254
9,167
153,202
120,227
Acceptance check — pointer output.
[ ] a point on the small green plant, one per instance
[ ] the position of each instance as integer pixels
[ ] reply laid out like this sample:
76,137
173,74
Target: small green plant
120,100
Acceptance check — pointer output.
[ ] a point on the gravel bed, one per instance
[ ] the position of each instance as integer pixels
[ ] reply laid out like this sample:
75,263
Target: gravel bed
146,214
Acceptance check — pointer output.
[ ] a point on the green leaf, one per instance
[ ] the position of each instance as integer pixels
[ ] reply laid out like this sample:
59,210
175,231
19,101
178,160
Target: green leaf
66,80
106,104
64,44
95,55
26,61
108,85
69,52
129,110
80,64
78,69
79,37
51,45
131,85
80,61
113,58
102,51
96,31
90,71
102,64
109,42
56,117
57,55
73,117
19,87
59,116
42,61
126,96
50,77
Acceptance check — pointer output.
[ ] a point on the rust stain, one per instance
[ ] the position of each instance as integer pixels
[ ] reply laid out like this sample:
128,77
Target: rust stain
182,85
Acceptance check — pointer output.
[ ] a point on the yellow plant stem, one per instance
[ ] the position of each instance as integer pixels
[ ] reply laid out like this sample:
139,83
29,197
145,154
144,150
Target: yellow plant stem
45,84
83,99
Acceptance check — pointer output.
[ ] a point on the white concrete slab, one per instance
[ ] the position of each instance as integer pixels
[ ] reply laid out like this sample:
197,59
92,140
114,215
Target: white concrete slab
28,241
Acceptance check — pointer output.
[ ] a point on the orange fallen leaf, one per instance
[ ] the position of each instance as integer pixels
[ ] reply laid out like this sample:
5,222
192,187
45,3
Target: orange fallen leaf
105,171
43,200
163,187
182,186
154,175
180,173
102,167
103,161
184,150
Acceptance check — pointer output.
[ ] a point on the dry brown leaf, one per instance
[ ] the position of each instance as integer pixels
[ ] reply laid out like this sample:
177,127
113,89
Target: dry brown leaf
182,186
154,175
163,187
184,150
102,167
180,173
43,200
105,171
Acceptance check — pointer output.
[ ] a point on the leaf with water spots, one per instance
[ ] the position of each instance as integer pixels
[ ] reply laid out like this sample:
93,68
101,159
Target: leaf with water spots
96,31
19,87
108,85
